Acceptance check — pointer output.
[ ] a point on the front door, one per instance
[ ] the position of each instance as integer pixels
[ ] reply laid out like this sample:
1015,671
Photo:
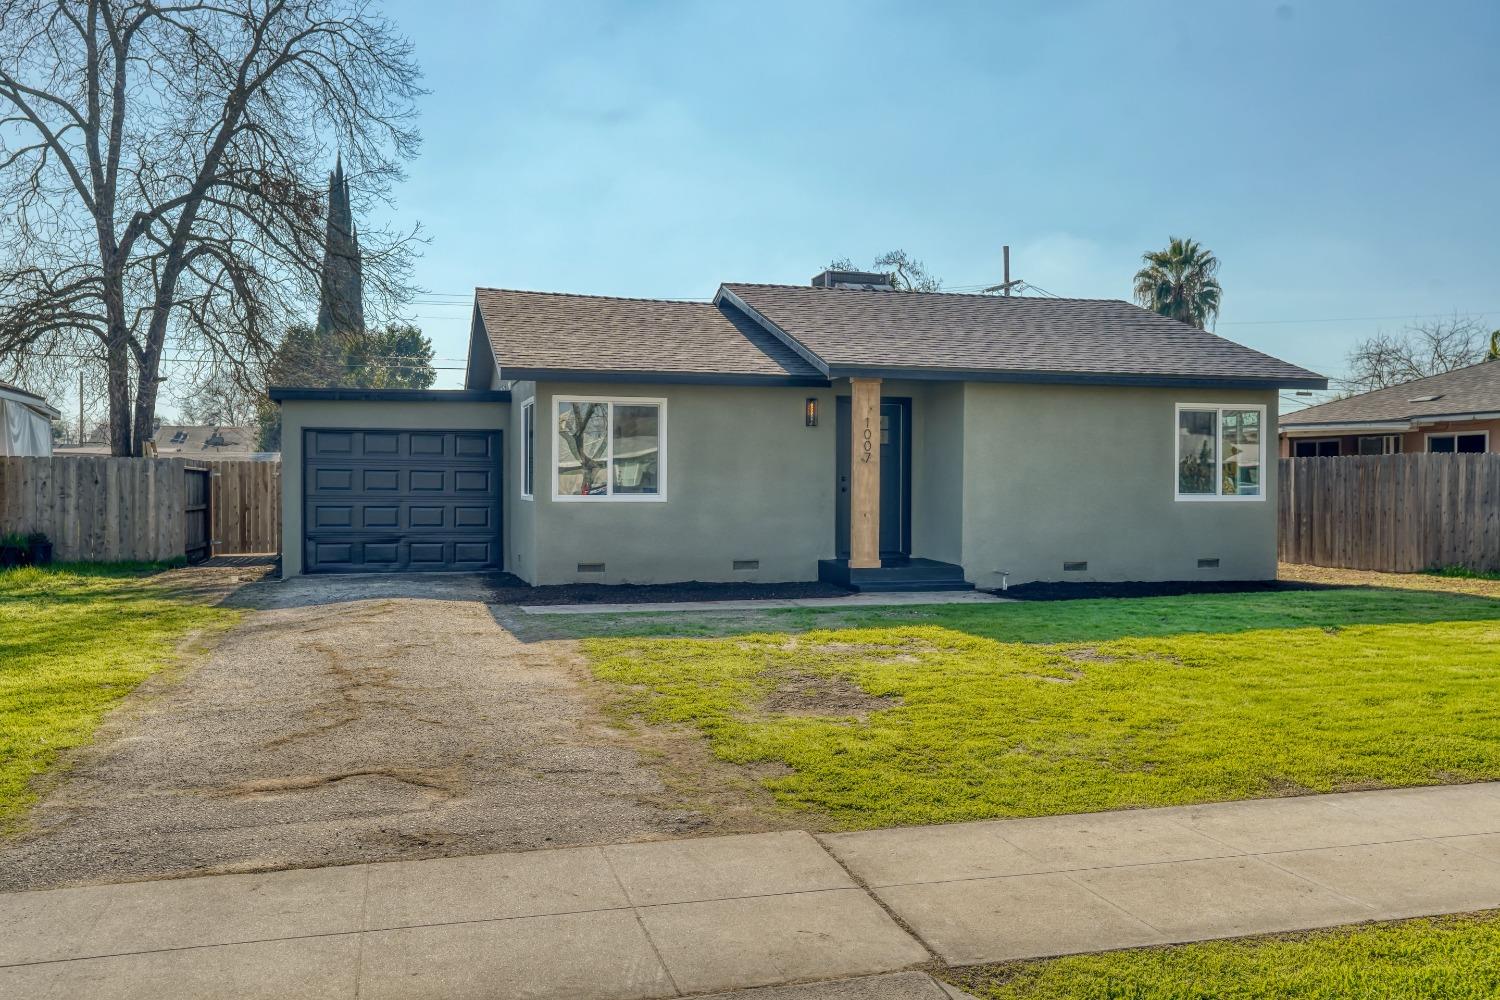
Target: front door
895,478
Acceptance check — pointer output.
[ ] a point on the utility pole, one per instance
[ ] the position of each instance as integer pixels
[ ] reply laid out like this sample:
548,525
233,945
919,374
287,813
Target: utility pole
80,407
1005,286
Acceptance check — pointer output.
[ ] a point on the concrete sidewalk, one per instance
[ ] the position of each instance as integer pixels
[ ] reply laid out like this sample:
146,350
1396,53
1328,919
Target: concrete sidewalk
711,915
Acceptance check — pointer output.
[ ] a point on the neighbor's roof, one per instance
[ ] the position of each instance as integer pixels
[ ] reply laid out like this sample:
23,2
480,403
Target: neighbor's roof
205,440
1463,391
989,336
547,334
31,399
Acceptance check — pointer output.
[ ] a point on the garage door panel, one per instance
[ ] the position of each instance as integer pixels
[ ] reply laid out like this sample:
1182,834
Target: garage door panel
394,500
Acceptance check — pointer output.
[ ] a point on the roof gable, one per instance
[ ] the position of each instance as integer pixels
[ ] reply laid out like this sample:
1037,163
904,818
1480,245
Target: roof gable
546,334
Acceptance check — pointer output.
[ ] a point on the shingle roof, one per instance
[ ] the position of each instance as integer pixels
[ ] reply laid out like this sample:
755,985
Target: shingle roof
1475,389
533,332
999,336
204,439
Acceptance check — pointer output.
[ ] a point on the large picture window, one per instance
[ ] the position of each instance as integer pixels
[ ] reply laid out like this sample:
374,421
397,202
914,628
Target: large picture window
528,449
1220,452
609,449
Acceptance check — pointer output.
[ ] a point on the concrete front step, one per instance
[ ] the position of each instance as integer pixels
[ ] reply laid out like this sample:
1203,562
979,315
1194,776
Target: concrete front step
895,576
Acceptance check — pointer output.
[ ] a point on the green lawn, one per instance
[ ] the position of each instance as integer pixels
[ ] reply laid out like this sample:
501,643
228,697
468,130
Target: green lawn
1452,958
74,640
959,712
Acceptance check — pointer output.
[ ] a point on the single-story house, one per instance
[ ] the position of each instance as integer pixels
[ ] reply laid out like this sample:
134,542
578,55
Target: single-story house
1457,411
205,441
842,431
25,423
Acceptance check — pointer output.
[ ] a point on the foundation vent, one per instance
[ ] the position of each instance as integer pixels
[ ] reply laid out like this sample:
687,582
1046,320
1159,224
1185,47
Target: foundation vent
1208,564
1075,567
591,567
747,564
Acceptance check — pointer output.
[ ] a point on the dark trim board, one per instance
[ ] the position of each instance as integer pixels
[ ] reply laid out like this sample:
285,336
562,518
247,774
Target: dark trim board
281,393
1068,378
664,378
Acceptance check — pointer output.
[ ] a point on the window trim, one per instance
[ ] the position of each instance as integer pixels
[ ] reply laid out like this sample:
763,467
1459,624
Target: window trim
1306,440
528,449
1385,440
1455,435
1218,410
556,401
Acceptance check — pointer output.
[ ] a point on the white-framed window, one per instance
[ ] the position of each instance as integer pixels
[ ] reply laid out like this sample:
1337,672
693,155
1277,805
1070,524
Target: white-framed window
1463,442
1380,444
609,449
1221,451
528,449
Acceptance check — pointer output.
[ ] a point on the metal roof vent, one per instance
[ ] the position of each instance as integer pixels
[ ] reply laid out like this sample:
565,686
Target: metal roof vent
869,281
1425,399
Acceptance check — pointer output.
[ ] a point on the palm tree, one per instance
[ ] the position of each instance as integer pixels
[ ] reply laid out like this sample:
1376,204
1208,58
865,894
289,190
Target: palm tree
1179,282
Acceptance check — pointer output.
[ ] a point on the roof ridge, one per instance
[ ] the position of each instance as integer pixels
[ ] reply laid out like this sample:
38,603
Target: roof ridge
586,295
940,291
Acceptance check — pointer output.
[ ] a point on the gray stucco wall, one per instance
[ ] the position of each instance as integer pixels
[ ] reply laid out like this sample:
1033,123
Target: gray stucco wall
296,415
1082,473
937,489
746,480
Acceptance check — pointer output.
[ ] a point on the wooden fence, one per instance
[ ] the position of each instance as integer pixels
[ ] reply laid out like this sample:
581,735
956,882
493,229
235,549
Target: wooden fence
246,505
1396,513
98,509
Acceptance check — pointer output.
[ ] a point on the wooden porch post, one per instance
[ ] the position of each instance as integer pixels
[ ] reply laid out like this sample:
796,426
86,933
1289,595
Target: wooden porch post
864,474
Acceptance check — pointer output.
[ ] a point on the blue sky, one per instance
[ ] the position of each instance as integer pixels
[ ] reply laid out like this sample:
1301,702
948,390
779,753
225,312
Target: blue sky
1341,158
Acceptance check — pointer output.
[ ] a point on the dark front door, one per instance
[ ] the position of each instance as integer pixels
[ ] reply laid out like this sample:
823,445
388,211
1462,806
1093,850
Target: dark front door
384,501
895,478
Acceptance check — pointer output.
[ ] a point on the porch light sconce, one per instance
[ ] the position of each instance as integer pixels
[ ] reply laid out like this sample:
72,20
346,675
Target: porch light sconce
810,411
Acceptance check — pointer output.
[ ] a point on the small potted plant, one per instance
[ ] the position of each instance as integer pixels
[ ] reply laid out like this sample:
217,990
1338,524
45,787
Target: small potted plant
12,550
39,548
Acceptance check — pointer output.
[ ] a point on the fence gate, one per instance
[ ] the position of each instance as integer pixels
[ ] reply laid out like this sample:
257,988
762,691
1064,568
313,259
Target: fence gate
197,517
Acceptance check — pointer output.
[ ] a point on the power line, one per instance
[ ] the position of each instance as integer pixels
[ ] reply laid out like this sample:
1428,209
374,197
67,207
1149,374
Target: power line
1358,319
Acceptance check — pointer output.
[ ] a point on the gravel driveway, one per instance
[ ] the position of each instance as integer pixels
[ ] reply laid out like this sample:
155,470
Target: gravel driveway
346,720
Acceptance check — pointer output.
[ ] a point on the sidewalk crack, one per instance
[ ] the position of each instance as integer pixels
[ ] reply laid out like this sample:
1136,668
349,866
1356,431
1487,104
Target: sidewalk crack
635,911
874,897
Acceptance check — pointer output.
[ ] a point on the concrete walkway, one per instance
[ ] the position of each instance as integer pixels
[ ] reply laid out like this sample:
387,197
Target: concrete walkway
898,599
711,915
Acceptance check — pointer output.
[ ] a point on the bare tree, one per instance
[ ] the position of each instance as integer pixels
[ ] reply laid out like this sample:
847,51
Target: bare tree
907,273
160,173
1422,349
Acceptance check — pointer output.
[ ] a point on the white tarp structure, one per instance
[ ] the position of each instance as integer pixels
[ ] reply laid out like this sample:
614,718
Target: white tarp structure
24,430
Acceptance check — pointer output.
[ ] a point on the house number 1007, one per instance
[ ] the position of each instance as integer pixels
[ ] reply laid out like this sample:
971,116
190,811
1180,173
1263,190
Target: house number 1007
864,455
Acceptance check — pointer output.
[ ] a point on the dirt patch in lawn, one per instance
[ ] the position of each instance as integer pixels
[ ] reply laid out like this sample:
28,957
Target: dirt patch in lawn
798,693
1293,573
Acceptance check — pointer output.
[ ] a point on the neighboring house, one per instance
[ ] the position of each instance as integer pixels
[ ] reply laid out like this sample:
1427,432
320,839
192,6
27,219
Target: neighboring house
189,441
204,441
784,433
25,423
1457,411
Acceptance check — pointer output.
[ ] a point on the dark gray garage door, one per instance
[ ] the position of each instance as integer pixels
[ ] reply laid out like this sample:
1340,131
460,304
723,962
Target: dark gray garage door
382,501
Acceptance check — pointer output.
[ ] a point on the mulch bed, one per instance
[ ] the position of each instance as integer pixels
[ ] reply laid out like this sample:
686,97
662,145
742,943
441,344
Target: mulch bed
508,589
1165,588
